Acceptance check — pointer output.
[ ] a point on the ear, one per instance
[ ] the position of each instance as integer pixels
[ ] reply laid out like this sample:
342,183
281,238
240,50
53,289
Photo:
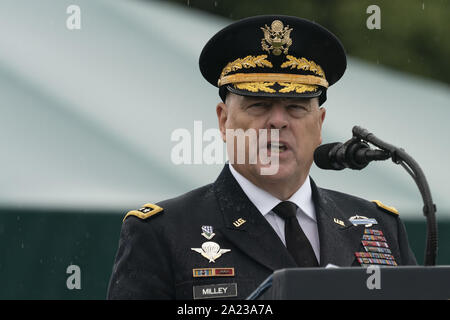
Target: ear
322,114
222,116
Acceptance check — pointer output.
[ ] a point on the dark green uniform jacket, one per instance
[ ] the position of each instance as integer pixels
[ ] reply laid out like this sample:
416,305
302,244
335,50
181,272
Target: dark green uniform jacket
155,259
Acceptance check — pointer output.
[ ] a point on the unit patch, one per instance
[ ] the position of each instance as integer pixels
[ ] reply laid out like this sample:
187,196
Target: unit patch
208,232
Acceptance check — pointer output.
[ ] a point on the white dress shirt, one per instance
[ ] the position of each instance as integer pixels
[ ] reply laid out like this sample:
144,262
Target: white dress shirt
265,202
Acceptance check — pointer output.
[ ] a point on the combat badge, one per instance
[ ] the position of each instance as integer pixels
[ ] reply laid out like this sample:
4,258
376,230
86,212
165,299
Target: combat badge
211,251
367,222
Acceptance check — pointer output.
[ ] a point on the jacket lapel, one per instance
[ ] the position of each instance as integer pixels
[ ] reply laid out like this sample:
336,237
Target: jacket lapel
338,243
246,227
249,231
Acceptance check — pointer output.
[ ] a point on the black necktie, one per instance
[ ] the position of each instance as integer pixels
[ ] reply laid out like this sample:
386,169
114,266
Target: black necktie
297,243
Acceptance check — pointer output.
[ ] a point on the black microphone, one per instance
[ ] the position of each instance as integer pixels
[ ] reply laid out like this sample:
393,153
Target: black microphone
354,154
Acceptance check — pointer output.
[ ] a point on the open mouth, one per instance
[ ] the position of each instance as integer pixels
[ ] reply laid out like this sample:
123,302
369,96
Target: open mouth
276,147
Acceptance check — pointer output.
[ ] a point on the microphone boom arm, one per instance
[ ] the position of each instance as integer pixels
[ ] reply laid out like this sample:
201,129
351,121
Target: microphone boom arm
399,156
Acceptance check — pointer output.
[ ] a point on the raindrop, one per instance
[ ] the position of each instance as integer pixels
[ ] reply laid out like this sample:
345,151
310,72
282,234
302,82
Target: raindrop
423,6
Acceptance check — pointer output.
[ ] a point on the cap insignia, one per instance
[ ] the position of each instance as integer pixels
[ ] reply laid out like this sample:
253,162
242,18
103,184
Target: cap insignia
276,38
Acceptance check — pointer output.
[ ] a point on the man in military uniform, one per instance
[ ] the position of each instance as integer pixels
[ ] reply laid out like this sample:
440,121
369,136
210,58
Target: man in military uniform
223,239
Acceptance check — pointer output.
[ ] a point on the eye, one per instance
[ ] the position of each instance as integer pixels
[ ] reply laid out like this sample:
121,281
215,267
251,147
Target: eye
259,104
297,107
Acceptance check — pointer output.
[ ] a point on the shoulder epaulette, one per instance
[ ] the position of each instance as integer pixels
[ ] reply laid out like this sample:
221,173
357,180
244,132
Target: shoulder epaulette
145,212
385,207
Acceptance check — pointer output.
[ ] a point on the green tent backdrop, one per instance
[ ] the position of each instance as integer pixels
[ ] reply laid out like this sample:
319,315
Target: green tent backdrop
38,247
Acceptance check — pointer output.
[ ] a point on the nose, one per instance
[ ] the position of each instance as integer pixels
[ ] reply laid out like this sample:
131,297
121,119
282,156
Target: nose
278,117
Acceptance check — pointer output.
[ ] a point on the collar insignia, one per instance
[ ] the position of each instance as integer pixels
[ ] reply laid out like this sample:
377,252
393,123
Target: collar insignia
239,222
339,222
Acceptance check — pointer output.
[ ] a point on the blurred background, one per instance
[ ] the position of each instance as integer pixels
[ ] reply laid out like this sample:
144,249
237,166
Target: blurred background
87,116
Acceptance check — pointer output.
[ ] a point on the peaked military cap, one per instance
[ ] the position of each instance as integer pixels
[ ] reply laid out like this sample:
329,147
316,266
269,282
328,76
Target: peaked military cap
273,56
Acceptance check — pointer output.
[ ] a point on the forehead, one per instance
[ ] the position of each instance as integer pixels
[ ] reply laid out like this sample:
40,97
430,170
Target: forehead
249,99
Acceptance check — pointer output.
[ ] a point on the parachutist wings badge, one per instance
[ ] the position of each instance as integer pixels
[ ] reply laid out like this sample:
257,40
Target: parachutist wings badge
211,251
